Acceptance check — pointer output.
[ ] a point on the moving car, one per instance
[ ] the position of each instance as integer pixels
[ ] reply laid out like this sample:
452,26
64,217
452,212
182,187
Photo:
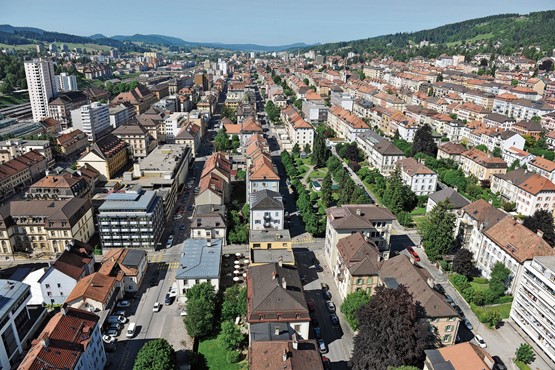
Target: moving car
156,307
322,346
123,304
131,330
331,306
334,320
481,342
169,299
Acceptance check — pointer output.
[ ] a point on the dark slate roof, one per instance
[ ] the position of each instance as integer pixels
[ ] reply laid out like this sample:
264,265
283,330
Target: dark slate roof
516,177
266,200
456,200
133,258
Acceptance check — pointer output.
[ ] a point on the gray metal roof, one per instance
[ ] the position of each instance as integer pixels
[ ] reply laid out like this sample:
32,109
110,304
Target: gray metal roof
133,257
201,259
10,292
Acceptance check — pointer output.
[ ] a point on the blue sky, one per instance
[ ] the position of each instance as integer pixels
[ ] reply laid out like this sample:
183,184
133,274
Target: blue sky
265,22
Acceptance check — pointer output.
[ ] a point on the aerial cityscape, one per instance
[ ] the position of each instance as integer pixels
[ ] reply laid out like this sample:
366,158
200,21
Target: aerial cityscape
277,186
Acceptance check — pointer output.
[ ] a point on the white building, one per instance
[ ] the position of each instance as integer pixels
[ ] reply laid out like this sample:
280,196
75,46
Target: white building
533,308
41,84
172,125
60,278
381,153
66,82
200,262
92,119
345,124
266,210
421,179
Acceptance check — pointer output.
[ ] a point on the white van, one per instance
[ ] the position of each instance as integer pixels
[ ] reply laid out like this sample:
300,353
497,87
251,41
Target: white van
130,330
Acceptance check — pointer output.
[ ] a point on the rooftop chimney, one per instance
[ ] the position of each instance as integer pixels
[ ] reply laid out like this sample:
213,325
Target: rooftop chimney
295,341
276,331
284,355
540,233
280,261
273,275
359,212
283,283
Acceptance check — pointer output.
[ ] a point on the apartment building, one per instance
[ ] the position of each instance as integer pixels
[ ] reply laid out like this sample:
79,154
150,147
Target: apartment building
131,219
481,165
543,166
72,143
266,210
420,179
132,263
372,221
107,155
138,139
461,356
92,119
345,124
65,82
41,83
60,107
381,153
300,131
70,340
200,262
64,186
533,305
209,222
44,227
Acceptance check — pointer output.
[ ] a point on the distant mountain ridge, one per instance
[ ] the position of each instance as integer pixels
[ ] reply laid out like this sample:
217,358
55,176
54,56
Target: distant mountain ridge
13,35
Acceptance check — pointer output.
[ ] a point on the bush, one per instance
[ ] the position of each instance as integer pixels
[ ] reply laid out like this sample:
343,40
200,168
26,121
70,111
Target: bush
492,319
232,357
525,353
405,219
505,299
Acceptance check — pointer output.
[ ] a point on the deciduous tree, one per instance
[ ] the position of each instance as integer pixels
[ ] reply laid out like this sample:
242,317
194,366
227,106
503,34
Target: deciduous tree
390,333
499,280
463,263
525,353
156,354
352,303
542,220
234,303
326,190
201,304
230,336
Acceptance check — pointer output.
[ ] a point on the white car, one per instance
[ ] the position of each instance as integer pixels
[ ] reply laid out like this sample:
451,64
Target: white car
156,307
169,242
480,341
177,217
108,339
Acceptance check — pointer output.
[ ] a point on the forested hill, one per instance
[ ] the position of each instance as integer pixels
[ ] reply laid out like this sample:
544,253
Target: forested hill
509,31
26,35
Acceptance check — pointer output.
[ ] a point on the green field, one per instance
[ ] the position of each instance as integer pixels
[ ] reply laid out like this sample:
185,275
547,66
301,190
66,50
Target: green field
504,309
14,99
70,45
318,174
484,36
479,287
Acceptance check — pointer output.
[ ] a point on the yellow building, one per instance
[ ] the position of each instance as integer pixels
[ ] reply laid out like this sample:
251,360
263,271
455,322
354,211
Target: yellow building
271,245
107,155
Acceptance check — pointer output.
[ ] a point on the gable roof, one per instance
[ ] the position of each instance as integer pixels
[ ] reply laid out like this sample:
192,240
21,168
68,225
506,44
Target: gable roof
415,279
360,256
461,356
412,167
484,213
269,300
268,355
542,163
518,241
452,148
96,287
266,200
357,216
456,200
537,183
73,262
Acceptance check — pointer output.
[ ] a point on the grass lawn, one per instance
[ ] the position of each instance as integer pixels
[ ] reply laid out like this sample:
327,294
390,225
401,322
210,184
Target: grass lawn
522,365
215,355
418,211
14,99
417,220
318,174
504,309
307,161
479,287
302,169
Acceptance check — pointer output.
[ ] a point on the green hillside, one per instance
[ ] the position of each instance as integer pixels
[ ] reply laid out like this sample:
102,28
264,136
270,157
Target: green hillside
511,31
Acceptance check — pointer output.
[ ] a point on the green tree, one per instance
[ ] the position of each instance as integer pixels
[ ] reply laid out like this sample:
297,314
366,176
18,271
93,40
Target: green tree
463,263
514,82
499,280
497,152
390,333
482,148
201,305
437,231
423,141
326,190
398,197
230,336
525,353
229,113
298,104
234,303
235,142
156,354
352,303
320,153
221,141
492,319
541,220
296,150
241,175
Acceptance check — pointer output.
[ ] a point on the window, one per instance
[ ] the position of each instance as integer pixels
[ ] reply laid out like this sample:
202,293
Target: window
257,221
447,338
47,286
360,281
449,328
59,285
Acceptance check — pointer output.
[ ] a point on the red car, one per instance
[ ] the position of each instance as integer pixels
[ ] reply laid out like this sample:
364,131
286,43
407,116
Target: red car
414,254
326,362
311,306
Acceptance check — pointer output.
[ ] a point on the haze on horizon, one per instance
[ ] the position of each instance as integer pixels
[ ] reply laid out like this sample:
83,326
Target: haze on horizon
257,22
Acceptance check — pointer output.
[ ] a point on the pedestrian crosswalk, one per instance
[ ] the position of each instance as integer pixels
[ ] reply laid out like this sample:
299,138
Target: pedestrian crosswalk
155,259
166,265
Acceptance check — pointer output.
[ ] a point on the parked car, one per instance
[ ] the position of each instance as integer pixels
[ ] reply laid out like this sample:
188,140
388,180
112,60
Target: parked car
334,320
449,299
183,312
499,365
108,338
177,217
169,299
115,326
311,306
414,254
318,268
440,288
123,304
326,294
317,332
190,208
322,346
331,306
481,342
169,242
314,321
156,307
459,311
468,324
324,286
326,362
120,313
303,278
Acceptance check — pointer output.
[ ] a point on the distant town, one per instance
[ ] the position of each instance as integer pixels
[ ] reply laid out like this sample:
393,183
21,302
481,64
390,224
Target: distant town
211,209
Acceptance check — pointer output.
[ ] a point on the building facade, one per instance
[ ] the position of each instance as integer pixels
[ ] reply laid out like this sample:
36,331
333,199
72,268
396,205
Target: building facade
41,83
